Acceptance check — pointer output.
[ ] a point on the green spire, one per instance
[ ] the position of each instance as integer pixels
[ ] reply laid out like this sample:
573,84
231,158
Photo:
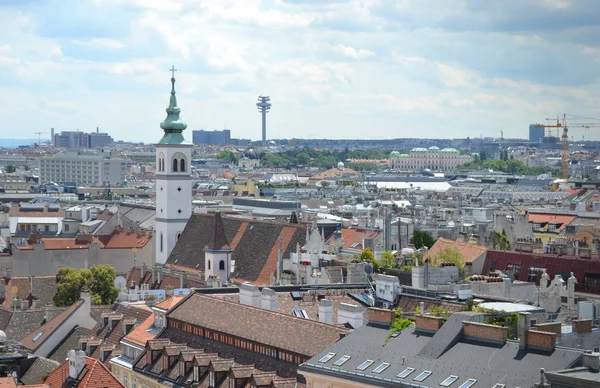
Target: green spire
173,123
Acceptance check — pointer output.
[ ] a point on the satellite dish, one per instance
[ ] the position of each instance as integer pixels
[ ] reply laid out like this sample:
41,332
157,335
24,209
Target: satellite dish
120,283
368,269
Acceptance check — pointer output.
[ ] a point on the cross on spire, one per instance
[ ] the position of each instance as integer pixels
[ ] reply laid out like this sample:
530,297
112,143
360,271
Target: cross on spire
172,70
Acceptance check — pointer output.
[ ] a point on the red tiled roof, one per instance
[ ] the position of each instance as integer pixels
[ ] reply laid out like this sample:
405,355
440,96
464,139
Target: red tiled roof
61,243
124,240
15,211
32,343
270,266
169,303
469,251
551,219
333,173
355,236
7,382
95,375
140,334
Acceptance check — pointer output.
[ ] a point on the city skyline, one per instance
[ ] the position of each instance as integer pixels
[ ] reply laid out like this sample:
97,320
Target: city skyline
354,69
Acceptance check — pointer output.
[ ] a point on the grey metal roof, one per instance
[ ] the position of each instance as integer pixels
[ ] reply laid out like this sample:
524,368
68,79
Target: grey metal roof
488,364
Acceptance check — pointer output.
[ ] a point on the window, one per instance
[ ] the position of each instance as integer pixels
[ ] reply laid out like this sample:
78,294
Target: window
405,373
448,382
327,357
133,382
341,361
174,165
161,242
383,366
499,385
365,365
532,323
222,265
423,375
211,378
467,384
125,380
66,227
208,264
182,165
196,373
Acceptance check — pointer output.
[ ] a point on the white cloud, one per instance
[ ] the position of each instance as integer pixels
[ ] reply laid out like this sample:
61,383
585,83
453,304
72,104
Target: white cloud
102,43
351,52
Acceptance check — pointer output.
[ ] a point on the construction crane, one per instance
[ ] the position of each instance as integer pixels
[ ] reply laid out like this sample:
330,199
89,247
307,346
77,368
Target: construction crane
565,135
39,137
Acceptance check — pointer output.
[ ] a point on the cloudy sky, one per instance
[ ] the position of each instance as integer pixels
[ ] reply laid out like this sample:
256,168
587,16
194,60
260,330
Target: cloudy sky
335,69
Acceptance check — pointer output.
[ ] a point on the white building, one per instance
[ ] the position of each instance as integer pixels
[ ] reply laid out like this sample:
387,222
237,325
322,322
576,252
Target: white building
433,158
85,169
173,181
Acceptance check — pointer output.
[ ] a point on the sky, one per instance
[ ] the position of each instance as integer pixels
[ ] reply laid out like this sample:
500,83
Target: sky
341,69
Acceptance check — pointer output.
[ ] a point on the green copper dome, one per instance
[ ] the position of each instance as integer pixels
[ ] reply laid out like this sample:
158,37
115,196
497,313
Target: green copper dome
173,123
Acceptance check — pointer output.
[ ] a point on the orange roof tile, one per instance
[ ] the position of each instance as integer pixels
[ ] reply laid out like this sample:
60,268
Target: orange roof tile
96,375
123,240
470,251
355,236
551,219
7,382
140,334
61,243
169,303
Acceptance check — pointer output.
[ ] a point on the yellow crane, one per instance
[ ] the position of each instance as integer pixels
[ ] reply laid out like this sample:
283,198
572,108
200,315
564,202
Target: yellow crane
565,135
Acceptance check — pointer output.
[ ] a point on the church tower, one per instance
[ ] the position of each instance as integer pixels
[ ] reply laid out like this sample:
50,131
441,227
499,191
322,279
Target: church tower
173,180
217,253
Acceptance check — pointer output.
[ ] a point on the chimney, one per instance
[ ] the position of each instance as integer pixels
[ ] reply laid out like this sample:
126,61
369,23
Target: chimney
325,311
153,275
7,273
143,269
36,304
582,325
32,286
24,304
268,299
159,275
381,317
76,363
182,279
483,332
249,295
2,288
428,323
571,294
591,360
350,313
523,328
51,312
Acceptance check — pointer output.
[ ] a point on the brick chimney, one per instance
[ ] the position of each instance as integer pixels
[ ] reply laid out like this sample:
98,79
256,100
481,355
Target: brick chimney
428,323
325,311
381,317
582,325
484,332
522,328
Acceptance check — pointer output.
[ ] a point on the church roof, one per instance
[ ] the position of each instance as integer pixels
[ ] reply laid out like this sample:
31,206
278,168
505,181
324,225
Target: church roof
173,124
218,240
255,245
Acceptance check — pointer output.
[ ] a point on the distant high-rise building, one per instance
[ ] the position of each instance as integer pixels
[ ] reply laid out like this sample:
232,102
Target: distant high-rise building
211,137
76,139
84,169
536,134
98,139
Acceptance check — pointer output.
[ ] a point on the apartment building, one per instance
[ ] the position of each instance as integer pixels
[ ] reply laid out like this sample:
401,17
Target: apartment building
432,158
82,168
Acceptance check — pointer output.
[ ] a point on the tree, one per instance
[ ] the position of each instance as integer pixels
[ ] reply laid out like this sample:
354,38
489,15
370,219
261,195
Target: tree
102,285
448,255
500,241
387,260
422,239
324,184
10,169
71,282
367,255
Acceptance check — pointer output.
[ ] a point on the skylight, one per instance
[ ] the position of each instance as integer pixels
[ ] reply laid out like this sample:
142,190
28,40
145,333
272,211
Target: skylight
467,384
448,382
405,373
327,357
37,336
365,365
423,375
383,366
341,361
499,385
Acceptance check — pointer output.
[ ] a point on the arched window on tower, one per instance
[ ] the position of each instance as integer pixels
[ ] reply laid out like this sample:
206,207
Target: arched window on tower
222,265
161,242
174,165
208,264
182,165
